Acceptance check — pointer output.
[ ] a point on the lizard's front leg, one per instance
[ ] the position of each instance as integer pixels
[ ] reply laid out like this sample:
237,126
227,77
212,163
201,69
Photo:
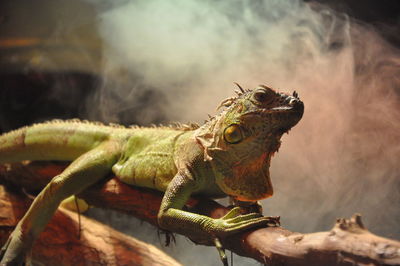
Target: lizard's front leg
84,171
200,228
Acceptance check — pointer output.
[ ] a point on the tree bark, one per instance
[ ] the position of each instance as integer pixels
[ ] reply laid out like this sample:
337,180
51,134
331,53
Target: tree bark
347,243
66,241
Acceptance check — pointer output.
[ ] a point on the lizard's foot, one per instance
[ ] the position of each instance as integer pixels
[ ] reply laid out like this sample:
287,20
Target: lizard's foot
234,222
13,251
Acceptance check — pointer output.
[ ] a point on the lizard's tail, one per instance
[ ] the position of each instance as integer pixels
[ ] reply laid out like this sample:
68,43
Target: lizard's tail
56,140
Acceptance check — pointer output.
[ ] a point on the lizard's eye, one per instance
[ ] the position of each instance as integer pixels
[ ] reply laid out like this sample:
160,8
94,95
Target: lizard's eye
264,96
233,134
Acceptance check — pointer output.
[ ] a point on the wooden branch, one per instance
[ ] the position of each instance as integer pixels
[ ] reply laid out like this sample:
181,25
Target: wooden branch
63,243
347,243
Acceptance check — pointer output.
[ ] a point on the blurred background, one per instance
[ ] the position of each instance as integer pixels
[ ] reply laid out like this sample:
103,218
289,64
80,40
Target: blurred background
150,62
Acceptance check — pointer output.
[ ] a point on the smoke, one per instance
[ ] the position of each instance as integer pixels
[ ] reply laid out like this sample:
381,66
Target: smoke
191,50
343,156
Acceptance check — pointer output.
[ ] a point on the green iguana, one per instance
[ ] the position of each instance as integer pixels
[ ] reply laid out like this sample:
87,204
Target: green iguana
229,155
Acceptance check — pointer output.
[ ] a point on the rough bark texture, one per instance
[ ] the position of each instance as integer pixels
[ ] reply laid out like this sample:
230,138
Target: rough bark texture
64,242
347,243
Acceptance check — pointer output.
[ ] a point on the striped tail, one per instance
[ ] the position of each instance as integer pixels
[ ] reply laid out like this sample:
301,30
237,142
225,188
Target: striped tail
55,140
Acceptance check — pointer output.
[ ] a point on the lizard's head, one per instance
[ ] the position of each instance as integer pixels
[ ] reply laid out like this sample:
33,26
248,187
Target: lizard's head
240,142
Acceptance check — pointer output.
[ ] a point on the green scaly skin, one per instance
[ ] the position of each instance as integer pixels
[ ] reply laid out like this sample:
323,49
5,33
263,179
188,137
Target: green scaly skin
229,155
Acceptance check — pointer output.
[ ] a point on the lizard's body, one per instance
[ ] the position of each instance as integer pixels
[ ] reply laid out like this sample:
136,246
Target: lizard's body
147,156
228,155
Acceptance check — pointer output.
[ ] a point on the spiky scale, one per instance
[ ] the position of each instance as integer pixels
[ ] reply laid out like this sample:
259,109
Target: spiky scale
240,87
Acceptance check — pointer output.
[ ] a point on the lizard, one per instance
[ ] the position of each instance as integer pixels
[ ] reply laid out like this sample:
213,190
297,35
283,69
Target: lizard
229,155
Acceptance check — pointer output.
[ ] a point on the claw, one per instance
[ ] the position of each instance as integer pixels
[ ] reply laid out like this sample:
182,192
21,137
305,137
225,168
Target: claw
221,251
274,221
